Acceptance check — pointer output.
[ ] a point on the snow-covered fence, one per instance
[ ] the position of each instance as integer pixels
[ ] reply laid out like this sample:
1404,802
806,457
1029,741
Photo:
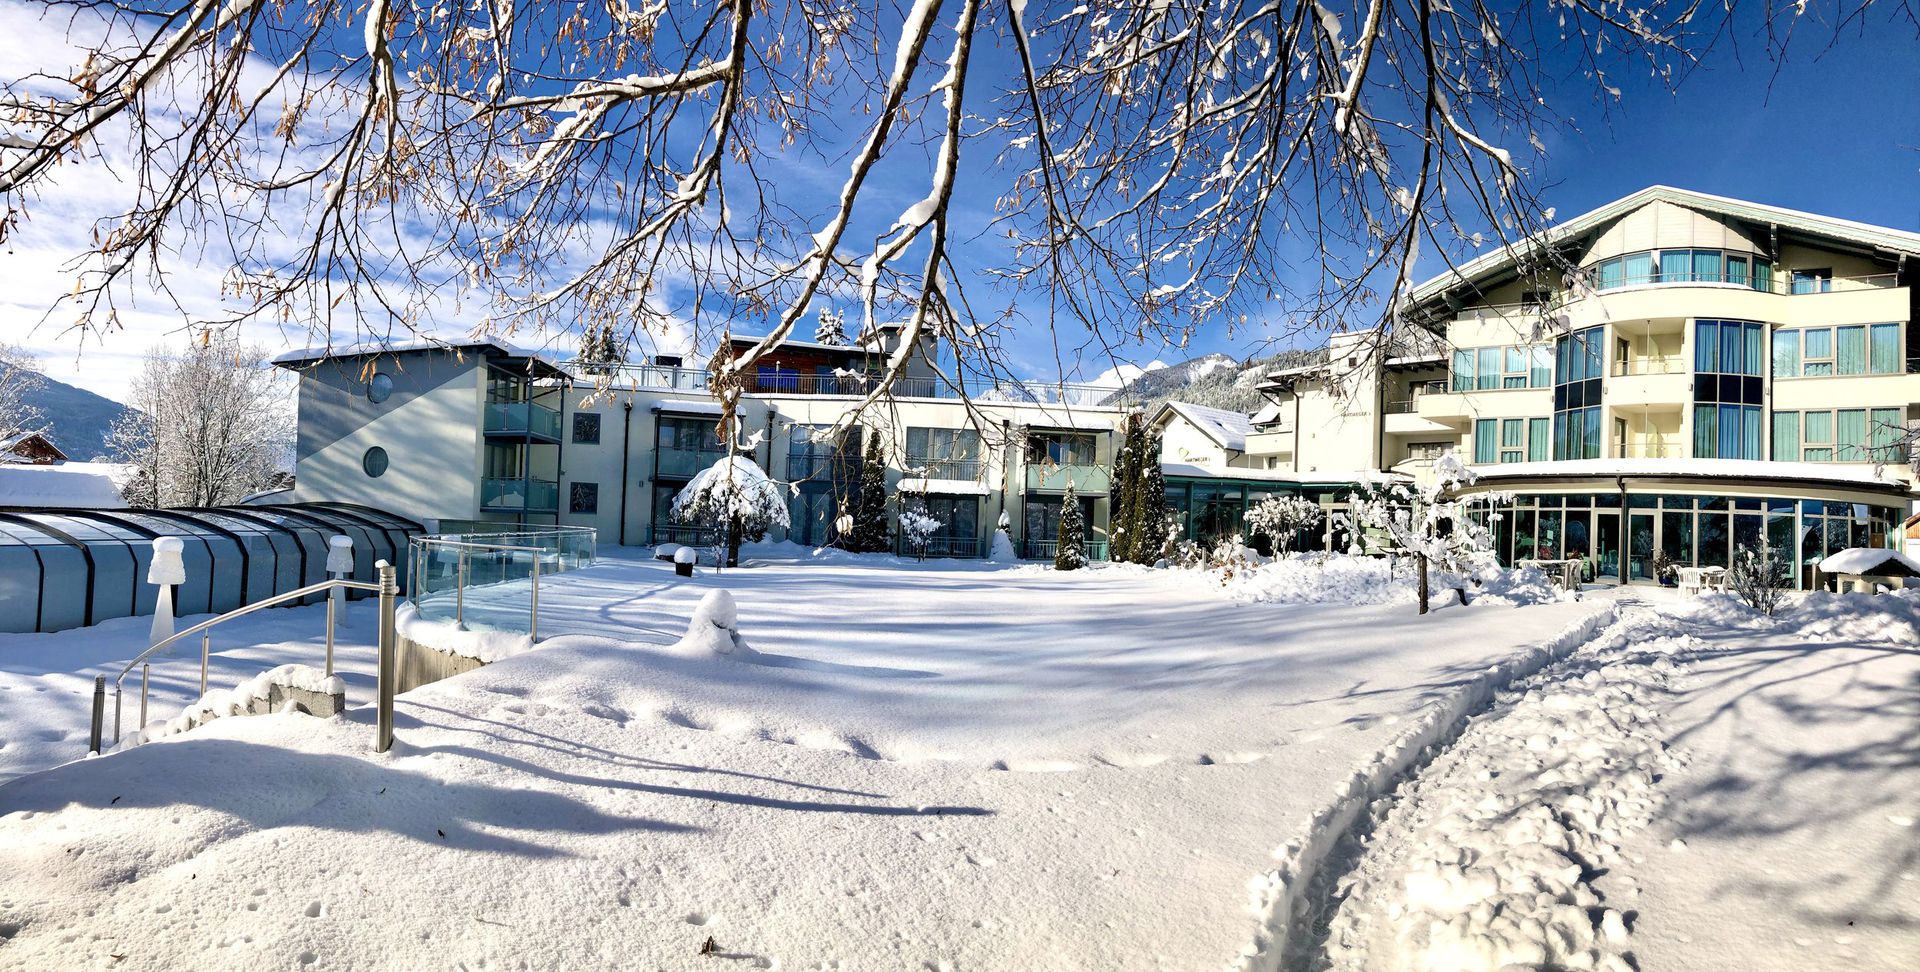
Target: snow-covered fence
446,567
1281,894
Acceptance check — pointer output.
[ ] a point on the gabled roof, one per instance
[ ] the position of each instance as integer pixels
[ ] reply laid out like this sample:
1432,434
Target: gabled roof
1230,429
1882,238
487,346
13,442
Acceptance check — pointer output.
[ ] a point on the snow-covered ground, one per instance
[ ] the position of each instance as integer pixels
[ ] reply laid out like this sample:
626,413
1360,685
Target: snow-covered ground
1698,787
940,766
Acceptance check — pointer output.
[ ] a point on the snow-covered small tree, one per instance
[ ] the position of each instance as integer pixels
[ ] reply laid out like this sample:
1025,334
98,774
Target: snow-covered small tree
1429,524
917,526
1761,577
1002,551
1282,516
206,428
832,328
1071,553
735,499
1149,521
600,352
870,505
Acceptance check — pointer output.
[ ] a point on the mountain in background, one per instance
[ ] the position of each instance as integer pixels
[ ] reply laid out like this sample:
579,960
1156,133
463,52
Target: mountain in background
1214,380
77,419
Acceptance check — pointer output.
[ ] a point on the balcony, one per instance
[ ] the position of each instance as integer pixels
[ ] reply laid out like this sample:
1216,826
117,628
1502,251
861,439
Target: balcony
944,547
1270,442
520,495
686,536
1649,449
670,377
965,470
683,463
855,384
522,419
1047,549
821,467
1667,364
1086,480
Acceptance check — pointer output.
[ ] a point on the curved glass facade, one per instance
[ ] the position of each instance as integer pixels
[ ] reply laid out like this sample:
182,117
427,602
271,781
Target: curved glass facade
67,568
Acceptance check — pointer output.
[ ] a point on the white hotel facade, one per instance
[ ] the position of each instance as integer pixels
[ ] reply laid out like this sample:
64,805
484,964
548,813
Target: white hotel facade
1714,372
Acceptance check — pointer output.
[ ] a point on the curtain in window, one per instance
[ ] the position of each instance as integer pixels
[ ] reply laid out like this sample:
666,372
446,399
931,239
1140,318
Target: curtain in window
1537,440
1819,428
1543,367
1755,363
1639,268
1850,351
1730,434
1463,371
1736,269
1786,436
1749,432
1885,349
1706,426
1609,274
1850,444
1706,346
1488,369
1820,342
1486,440
1762,274
1676,266
1887,432
1706,266
1733,357
1591,434
1513,433
1786,354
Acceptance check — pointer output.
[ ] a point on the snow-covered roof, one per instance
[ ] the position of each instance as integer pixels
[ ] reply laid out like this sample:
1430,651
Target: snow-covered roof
1703,468
1268,414
1228,428
1315,478
65,485
949,487
686,406
376,346
1871,560
1887,238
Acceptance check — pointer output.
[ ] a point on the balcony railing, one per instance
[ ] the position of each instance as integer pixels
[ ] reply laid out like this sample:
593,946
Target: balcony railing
1648,450
531,495
1403,407
966,470
946,547
1651,364
1054,479
686,536
523,418
781,383
821,467
683,463
1047,549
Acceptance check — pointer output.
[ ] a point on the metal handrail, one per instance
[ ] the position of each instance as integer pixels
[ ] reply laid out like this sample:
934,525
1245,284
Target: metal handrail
206,639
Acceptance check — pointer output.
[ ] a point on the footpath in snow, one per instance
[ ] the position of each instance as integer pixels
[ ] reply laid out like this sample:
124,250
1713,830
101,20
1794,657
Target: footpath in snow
1699,787
915,767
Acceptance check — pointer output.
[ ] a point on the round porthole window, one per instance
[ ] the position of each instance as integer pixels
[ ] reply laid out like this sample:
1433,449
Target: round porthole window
379,387
375,461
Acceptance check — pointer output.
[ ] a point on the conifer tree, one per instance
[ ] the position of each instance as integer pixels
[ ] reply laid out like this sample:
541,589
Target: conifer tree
870,507
600,351
1071,553
832,328
1148,521
1127,467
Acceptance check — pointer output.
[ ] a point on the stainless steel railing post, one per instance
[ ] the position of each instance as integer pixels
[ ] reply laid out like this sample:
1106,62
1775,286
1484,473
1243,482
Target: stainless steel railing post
206,648
460,592
533,616
143,704
329,636
99,713
383,720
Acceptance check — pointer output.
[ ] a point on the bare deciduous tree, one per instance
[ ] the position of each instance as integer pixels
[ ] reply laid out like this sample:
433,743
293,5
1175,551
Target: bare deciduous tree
19,378
1156,163
207,427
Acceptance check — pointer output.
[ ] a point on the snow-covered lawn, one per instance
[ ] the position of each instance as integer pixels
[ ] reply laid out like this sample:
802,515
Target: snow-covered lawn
1697,788
942,766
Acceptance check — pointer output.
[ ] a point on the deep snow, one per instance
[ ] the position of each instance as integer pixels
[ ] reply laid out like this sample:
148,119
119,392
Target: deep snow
946,765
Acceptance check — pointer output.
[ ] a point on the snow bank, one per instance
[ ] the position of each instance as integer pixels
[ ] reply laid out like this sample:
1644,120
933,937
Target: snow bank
1318,578
1278,896
482,645
242,699
1485,861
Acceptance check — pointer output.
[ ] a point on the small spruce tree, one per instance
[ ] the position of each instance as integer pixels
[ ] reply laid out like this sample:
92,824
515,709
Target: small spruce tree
1071,554
832,328
600,351
1128,465
1149,520
870,506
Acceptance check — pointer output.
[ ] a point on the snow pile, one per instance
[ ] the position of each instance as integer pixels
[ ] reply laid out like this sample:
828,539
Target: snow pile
1820,616
1279,895
1002,551
1319,578
483,645
242,699
714,629
1486,860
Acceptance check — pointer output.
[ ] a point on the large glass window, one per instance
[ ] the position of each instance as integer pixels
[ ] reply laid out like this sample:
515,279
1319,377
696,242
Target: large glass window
1840,435
1677,265
1888,431
1487,369
1060,448
944,453
1727,389
1850,350
1538,442
1485,445
1578,363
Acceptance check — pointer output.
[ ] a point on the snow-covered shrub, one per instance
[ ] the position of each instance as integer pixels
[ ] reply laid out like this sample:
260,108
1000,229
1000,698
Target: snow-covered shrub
1071,554
1761,578
1664,569
734,498
918,528
1282,517
1002,551
1432,525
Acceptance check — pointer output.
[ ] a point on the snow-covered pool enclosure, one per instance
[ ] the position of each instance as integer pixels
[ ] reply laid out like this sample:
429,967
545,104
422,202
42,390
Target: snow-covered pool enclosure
70,568
492,580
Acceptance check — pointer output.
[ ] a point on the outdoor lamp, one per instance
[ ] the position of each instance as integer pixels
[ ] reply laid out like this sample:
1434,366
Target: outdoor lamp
166,569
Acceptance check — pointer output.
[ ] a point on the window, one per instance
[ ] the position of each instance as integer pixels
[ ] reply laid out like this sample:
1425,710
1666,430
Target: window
1485,442
1850,435
374,462
1818,281
1682,266
944,453
1887,433
1490,369
1727,389
1818,437
1850,350
583,497
1426,451
379,387
586,428
1538,441
1884,349
1786,436
1513,440
1578,364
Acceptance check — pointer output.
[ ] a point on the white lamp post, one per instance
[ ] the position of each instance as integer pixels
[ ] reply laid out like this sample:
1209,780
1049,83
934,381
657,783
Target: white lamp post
339,566
166,569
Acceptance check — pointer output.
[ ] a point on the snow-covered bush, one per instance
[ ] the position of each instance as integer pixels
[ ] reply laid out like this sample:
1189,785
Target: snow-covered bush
1761,577
1071,554
1430,524
918,528
1282,517
735,499
1002,551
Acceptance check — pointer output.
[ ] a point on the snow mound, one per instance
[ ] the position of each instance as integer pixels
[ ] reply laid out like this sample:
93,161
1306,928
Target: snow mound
1319,578
483,645
1820,616
715,629
1867,560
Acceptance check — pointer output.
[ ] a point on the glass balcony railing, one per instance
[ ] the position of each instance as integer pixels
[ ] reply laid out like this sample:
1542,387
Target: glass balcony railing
966,470
683,463
944,547
1669,364
534,495
1046,549
1054,479
523,418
